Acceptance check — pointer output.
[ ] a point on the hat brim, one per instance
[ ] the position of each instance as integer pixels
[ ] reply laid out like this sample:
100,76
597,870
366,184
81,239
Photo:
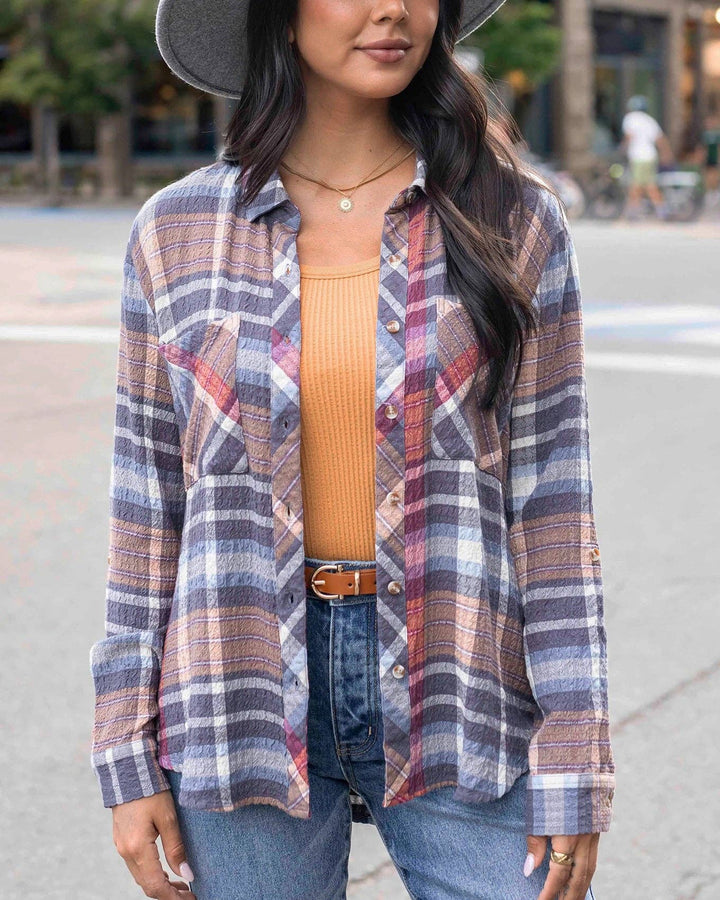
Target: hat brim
204,43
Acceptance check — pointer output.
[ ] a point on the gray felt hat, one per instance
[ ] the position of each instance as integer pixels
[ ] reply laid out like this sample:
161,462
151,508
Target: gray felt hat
203,41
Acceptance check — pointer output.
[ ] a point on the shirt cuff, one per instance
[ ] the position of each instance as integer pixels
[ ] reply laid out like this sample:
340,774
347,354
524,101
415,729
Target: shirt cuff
565,803
129,771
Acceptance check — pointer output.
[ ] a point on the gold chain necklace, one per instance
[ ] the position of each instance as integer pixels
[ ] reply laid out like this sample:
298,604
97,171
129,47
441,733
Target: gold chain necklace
346,203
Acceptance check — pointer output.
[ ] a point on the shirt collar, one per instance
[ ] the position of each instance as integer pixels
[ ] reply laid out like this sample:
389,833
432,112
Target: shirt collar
273,192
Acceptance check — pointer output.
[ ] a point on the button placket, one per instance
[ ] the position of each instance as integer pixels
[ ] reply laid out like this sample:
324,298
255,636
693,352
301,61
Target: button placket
390,412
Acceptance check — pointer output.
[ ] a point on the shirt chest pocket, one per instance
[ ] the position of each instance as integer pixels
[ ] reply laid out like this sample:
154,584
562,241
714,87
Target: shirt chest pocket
460,428
205,368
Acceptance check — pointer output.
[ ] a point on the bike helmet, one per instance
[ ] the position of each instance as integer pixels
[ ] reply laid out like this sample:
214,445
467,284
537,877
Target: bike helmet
637,103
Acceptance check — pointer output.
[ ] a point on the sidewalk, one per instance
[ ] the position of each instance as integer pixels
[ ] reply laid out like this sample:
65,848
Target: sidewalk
38,202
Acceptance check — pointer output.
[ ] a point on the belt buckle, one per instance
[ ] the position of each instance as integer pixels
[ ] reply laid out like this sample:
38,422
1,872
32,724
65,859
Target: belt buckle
335,567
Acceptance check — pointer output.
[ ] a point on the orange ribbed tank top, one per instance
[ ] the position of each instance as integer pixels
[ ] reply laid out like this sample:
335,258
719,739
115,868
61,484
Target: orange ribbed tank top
338,318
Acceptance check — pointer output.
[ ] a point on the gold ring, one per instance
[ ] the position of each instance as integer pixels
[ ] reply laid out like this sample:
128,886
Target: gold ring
565,859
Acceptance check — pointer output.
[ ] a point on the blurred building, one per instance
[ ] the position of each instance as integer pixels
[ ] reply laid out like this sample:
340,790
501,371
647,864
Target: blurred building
170,119
668,50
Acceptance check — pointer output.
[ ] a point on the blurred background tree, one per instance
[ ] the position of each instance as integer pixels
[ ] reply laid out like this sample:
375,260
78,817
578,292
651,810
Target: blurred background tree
87,56
521,46
78,56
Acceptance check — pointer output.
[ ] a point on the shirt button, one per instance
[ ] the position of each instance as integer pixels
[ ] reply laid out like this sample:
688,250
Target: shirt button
398,671
394,587
393,497
287,269
393,259
393,326
594,554
391,411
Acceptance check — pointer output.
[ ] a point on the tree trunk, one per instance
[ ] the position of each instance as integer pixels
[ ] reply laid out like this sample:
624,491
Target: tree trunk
114,131
114,148
46,152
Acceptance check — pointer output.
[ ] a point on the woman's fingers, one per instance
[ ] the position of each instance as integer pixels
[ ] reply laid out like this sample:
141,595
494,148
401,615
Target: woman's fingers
594,843
183,889
559,875
581,873
555,882
166,822
146,868
135,834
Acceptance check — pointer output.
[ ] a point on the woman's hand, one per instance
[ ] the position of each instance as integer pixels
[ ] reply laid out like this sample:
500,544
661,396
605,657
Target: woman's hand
136,825
567,882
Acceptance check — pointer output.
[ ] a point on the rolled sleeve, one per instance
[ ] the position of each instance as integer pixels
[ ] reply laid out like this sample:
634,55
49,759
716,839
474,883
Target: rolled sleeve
147,503
554,545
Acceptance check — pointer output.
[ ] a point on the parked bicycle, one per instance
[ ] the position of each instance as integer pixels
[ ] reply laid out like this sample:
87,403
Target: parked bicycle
606,191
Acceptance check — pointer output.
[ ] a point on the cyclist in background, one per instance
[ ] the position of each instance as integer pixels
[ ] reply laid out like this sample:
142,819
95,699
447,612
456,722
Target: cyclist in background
641,137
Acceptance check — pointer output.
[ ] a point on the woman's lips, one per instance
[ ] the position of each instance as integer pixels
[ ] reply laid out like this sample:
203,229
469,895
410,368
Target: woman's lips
385,55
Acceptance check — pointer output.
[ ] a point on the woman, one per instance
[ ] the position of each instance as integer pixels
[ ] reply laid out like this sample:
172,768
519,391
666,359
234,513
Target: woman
397,619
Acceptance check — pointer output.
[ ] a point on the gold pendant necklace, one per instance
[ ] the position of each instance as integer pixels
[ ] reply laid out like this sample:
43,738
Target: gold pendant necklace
345,204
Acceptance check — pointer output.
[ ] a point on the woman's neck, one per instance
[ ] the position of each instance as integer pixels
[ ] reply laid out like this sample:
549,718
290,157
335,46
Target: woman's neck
341,142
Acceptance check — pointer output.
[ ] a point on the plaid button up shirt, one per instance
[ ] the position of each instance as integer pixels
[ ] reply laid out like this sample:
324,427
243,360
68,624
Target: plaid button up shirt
499,623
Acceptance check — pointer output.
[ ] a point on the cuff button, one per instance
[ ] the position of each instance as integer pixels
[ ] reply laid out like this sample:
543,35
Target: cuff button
594,554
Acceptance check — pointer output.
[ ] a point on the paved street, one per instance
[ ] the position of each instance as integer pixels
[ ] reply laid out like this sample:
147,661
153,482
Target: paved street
652,313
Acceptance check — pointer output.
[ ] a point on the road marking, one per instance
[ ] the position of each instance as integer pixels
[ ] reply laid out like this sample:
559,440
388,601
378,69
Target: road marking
654,324
64,334
616,316
628,362
666,363
710,336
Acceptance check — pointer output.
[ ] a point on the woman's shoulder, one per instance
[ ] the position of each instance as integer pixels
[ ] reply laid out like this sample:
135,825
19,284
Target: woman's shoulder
540,209
197,193
540,231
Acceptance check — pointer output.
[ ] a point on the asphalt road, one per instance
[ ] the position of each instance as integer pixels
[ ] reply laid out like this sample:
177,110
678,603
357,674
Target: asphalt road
652,314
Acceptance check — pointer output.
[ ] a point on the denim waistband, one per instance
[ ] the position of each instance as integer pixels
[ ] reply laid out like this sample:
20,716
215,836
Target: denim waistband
348,564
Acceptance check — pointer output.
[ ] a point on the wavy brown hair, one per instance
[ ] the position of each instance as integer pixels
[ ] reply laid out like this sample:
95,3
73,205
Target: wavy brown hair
475,176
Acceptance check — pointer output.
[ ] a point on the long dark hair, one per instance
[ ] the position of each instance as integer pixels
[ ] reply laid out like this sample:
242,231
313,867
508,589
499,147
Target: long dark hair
475,176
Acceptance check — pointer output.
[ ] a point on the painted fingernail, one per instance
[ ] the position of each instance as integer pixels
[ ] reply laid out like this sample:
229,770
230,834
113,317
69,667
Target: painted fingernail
529,865
186,871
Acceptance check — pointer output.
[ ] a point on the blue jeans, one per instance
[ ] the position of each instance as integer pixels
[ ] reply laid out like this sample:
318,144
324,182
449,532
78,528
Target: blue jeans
441,848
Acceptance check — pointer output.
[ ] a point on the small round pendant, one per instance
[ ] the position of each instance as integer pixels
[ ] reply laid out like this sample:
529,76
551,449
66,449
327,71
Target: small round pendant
345,204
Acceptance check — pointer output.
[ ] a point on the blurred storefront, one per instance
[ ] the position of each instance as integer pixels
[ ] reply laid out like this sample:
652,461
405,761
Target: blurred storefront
171,122
668,50
612,49
701,86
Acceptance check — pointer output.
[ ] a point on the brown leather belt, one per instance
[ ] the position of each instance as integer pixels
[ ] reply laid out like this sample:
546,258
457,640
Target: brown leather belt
331,581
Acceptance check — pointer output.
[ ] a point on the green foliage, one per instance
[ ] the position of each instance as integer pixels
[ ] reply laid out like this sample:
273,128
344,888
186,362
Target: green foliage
520,37
72,54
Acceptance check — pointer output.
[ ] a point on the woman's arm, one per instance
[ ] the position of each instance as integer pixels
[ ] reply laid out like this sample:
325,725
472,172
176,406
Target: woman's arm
554,545
147,504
